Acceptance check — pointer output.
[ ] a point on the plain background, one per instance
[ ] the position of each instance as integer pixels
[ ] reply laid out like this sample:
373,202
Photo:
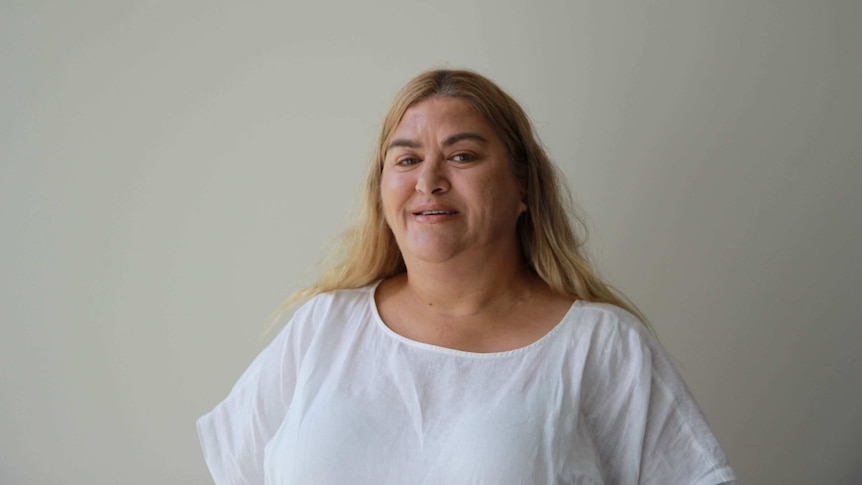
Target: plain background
172,170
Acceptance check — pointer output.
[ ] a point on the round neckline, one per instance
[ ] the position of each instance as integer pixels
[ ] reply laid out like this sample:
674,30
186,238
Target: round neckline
378,321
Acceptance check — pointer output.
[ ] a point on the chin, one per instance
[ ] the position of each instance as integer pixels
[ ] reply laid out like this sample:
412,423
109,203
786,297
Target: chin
433,254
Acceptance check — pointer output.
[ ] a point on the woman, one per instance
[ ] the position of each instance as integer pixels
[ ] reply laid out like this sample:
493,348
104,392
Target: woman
462,338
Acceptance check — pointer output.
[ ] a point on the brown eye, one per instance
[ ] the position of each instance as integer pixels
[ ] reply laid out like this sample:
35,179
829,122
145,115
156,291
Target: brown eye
463,157
407,161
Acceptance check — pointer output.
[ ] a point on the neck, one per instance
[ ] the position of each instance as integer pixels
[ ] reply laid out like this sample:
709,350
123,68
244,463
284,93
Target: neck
462,289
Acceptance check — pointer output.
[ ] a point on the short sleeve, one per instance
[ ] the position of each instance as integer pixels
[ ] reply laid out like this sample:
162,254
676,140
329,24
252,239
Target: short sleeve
235,433
645,422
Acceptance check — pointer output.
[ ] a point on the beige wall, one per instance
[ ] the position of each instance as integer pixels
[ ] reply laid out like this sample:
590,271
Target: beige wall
170,172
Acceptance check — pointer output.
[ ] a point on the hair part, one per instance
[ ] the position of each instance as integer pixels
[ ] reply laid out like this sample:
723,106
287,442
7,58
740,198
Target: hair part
551,247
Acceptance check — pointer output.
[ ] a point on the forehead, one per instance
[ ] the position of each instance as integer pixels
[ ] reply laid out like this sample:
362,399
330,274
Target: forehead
441,114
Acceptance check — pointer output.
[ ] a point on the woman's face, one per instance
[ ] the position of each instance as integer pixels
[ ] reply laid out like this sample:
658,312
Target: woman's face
446,187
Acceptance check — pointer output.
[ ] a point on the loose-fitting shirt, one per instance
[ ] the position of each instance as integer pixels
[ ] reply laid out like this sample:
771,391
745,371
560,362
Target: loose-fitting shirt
339,398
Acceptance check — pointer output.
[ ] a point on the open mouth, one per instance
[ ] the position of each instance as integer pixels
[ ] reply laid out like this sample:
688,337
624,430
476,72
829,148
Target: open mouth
433,213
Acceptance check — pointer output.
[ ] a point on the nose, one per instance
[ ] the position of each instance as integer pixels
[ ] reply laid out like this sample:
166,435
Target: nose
432,176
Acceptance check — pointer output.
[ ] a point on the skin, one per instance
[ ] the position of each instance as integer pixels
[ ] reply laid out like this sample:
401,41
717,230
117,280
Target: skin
444,156
452,203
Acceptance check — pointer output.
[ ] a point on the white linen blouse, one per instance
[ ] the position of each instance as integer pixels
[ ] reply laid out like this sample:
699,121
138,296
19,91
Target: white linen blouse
339,398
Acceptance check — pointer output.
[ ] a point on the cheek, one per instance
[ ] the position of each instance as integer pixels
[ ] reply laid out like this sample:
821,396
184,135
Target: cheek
491,193
505,197
391,194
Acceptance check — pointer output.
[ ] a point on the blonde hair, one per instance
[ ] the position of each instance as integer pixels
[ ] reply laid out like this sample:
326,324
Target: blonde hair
367,252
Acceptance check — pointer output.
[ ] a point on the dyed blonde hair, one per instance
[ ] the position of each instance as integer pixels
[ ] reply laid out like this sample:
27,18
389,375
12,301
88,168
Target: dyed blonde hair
551,248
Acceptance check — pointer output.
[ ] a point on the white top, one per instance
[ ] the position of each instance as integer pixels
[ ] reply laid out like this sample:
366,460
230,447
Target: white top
339,398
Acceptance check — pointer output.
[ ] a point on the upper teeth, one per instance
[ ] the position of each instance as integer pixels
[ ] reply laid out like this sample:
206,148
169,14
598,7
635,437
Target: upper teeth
434,212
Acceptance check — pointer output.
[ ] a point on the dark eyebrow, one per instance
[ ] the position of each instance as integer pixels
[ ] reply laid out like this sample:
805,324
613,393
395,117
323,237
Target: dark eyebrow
464,136
404,142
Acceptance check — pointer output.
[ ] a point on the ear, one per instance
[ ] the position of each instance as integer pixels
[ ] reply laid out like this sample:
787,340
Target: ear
522,206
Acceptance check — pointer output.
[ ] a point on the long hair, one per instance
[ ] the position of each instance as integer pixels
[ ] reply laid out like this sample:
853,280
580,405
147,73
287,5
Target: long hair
367,252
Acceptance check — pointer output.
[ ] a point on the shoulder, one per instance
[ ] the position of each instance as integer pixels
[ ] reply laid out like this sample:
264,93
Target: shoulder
607,314
327,312
605,324
336,301
617,350
630,386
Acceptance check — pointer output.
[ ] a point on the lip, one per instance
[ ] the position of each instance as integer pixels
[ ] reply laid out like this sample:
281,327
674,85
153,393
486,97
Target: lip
433,213
419,209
